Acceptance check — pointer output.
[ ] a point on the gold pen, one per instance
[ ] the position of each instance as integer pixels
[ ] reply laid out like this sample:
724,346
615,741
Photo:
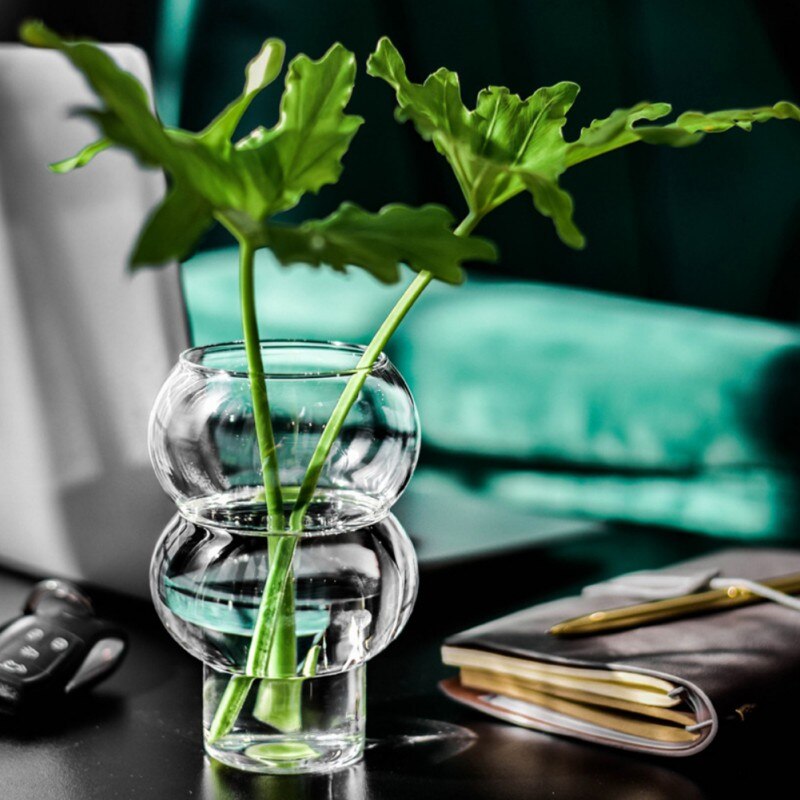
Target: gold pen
671,608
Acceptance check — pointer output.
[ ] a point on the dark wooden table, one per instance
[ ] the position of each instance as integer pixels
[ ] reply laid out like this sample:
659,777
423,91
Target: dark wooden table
138,735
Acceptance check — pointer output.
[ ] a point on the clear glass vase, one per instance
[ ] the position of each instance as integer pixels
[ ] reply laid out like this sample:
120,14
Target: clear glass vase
328,733
203,439
346,581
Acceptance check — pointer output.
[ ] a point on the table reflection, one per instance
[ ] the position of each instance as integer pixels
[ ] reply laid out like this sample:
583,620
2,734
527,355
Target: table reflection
477,762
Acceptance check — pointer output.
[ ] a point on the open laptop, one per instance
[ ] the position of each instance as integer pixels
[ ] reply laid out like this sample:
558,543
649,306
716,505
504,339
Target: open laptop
85,344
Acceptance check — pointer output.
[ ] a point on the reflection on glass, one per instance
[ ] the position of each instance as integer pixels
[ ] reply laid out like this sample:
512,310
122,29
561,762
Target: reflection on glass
223,783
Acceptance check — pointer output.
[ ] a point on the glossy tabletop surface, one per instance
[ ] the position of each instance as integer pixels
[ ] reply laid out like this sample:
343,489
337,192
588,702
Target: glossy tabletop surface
138,735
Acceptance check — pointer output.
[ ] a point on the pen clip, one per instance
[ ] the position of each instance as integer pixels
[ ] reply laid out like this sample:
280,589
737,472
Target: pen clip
647,585
756,588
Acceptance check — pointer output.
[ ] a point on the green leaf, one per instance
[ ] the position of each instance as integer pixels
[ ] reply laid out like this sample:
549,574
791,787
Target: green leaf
173,229
128,121
303,151
616,130
183,155
435,107
82,158
507,145
522,147
259,73
124,96
420,237
620,128
718,121
243,184
550,200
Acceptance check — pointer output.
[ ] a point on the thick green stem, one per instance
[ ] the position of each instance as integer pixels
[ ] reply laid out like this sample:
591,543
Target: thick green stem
273,646
356,383
264,636
258,390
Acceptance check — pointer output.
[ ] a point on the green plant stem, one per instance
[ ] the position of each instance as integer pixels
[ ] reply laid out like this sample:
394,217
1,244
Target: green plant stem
281,559
278,637
264,635
272,649
356,382
349,396
258,388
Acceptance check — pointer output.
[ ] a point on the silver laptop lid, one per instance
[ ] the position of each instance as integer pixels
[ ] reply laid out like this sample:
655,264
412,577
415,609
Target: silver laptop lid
85,345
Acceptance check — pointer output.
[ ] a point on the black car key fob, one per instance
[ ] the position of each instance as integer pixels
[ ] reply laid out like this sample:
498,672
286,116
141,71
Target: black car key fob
57,647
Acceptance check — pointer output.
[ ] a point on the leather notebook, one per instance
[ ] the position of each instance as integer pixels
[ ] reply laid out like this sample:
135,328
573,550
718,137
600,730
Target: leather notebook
663,688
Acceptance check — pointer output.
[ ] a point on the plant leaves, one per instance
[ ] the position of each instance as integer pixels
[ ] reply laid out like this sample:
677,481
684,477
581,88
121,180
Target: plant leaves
269,170
303,151
259,73
173,229
503,147
82,158
507,145
420,237
620,128
240,185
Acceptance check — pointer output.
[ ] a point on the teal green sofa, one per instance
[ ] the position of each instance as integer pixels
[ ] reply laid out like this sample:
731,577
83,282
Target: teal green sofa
562,401
605,396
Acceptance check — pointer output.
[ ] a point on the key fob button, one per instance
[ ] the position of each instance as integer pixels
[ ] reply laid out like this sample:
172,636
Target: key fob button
14,667
8,692
59,644
102,658
29,652
34,635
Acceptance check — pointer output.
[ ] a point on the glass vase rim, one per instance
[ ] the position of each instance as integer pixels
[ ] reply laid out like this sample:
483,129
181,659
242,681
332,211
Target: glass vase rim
192,358
383,516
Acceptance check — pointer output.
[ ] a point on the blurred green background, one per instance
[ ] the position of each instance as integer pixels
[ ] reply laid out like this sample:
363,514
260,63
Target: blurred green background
560,381
715,226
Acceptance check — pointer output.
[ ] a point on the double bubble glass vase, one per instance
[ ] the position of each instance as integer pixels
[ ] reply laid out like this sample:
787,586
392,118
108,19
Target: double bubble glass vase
284,621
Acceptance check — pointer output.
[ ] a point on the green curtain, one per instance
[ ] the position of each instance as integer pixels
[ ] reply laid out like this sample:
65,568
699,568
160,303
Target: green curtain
545,398
714,226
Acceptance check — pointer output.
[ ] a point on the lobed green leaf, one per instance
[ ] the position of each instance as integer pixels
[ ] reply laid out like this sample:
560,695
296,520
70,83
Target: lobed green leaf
503,147
303,151
240,184
508,145
421,237
621,128
82,158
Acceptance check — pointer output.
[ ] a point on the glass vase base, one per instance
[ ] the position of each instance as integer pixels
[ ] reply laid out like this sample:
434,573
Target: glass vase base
288,726
287,755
